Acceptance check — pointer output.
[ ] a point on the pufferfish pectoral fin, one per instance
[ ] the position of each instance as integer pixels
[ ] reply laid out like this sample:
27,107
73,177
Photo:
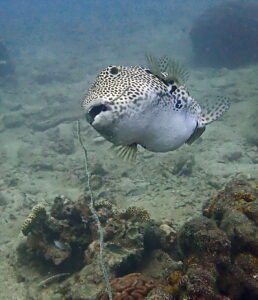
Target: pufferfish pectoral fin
196,134
126,152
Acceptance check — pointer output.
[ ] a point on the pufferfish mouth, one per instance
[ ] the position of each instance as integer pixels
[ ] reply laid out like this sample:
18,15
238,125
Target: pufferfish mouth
95,111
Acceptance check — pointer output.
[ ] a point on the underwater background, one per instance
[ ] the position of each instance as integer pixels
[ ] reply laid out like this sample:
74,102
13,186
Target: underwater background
179,225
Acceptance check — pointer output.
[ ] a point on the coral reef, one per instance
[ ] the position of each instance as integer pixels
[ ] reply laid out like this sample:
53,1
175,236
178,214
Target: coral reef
35,220
213,256
174,281
205,250
136,213
219,249
235,210
65,240
58,236
226,35
237,200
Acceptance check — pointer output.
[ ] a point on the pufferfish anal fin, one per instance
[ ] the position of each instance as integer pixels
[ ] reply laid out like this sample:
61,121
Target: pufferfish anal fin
209,115
197,133
127,152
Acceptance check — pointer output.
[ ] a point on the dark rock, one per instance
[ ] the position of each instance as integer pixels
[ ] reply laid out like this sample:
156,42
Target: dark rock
233,156
96,182
226,35
251,131
98,169
13,120
64,145
3,200
184,165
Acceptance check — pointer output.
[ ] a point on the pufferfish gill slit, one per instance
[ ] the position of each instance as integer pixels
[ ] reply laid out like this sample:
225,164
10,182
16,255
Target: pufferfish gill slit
150,107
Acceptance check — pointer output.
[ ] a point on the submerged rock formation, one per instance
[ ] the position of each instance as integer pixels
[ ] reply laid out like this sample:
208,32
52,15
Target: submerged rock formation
213,256
226,35
65,239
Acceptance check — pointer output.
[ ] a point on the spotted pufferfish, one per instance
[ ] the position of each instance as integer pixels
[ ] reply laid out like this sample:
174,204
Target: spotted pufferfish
150,107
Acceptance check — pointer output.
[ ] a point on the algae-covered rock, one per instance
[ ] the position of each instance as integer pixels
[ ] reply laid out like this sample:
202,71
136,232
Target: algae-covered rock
201,237
219,249
241,231
55,237
213,256
67,238
235,210
200,283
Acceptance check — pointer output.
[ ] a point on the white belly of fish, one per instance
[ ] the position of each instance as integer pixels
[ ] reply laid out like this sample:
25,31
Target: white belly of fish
168,131
158,132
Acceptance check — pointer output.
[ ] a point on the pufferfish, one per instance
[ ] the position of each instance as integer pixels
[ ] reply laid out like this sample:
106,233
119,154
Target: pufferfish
150,107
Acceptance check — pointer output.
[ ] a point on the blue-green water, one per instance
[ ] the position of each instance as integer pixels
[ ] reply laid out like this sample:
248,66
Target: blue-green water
50,52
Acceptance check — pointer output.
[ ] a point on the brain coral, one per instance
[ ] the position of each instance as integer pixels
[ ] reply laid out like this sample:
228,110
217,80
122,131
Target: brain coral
134,286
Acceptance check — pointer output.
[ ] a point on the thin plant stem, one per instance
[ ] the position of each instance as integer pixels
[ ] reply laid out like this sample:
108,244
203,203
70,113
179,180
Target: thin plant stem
95,215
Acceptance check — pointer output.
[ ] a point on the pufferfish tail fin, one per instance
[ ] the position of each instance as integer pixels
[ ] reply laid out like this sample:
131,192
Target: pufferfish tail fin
213,113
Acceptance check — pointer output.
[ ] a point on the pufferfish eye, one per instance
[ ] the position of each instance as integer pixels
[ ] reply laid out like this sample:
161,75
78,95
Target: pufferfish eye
114,70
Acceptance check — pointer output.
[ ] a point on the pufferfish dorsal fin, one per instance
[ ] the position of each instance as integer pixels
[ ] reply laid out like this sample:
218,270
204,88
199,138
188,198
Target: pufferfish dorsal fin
126,152
176,72
163,63
213,113
167,69
154,65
